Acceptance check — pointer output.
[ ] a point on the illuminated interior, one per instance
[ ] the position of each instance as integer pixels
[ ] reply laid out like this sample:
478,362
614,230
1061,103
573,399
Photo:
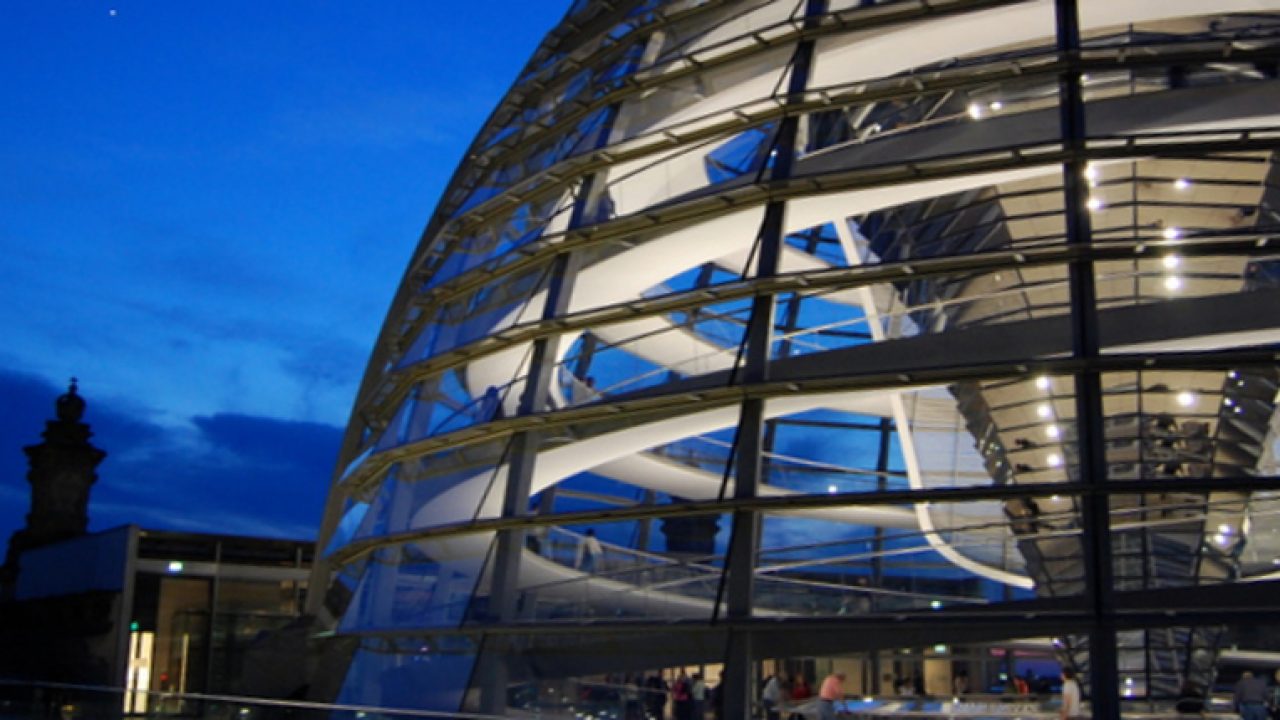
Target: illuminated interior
824,318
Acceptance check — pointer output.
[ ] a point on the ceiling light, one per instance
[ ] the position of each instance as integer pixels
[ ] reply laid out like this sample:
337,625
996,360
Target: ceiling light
1095,203
1171,261
996,105
1186,398
975,111
1172,233
1182,183
1042,382
1054,460
1173,282
1044,410
1052,431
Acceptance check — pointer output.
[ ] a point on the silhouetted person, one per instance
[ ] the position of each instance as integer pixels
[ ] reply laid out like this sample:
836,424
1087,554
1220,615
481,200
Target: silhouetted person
1250,697
590,553
1070,696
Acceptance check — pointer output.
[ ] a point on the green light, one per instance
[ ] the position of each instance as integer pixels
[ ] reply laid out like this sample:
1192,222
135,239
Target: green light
133,626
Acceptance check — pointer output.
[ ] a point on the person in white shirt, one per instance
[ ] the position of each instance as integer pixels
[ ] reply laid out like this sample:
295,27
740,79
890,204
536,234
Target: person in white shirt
1070,695
771,697
590,554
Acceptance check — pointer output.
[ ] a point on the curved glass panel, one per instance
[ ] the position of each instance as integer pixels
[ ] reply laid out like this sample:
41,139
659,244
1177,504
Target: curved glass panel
847,337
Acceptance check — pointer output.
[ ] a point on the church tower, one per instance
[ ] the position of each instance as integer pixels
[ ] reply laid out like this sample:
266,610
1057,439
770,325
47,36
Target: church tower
62,469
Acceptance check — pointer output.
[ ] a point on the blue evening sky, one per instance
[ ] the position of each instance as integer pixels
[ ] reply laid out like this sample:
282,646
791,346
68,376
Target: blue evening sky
205,208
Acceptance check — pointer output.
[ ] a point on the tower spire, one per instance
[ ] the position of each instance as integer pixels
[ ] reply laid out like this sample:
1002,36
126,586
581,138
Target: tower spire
61,470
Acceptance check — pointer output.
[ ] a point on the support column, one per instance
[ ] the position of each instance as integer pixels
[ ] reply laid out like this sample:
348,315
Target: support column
504,597
1095,502
504,593
745,539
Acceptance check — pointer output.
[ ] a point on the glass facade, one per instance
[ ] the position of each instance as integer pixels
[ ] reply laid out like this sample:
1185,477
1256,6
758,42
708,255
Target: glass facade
888,338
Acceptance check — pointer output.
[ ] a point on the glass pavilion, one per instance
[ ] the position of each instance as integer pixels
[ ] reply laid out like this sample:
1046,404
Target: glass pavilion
844,327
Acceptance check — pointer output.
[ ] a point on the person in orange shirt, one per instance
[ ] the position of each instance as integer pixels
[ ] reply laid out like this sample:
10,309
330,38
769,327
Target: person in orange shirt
831,691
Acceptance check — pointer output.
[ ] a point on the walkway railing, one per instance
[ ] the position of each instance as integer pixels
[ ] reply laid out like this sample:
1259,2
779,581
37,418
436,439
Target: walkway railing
26,700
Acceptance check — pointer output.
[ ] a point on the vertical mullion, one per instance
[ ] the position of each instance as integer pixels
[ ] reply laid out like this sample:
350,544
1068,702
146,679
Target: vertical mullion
1095,503
745,538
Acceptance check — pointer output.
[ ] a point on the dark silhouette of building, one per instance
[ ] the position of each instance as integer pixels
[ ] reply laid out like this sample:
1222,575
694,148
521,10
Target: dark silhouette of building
63,469
142,611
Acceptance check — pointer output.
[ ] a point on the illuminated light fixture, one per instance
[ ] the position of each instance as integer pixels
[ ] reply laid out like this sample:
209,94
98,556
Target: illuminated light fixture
1052,431
832,489
1172,233
1091,172
936,604
1221,539
1232,374
1181,183
1228,402
940,648
1128,681
1173,282
175,566
975,111
1225,529
1171,261
1095,203
1186,398
1055,498
1042,382
1054,460
1044,410
996,105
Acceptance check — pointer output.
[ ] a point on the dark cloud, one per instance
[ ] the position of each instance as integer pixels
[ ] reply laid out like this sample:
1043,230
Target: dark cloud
228,473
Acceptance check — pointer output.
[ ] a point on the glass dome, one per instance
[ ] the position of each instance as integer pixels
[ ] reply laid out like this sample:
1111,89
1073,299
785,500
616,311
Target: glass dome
753,335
